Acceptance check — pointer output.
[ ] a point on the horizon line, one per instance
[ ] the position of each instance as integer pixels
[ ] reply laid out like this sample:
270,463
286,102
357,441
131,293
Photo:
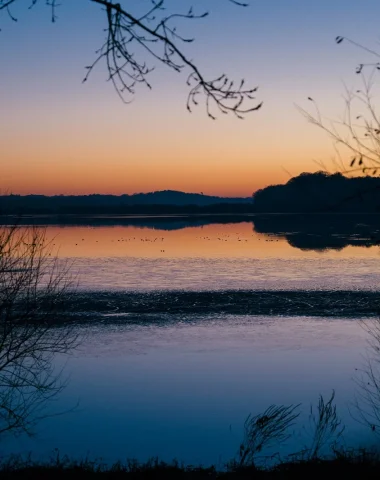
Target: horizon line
121,194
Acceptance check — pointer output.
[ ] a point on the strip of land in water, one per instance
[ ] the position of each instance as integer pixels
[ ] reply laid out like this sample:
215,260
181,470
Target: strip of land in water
157,306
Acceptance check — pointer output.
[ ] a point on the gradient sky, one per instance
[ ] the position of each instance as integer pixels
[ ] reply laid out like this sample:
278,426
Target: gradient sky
58,135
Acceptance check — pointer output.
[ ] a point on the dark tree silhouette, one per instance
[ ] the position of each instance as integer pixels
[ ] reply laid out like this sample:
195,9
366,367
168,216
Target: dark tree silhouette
358,132
321,192
356,135
134,40
33,291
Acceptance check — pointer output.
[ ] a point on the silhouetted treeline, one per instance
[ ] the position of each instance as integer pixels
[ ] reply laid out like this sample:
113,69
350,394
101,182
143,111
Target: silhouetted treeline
321,192
150,203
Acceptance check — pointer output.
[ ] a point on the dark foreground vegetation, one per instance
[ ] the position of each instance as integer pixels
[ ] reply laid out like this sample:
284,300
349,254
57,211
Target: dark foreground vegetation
324,454
354,464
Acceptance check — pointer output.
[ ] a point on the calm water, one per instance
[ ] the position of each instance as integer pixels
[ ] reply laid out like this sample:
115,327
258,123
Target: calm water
180,384
220,256
184,390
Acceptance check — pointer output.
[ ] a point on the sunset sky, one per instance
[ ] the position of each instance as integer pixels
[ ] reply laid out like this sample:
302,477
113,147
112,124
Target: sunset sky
59,136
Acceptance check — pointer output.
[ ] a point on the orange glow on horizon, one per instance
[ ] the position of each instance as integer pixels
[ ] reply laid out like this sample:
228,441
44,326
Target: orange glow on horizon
80,153
70,179
64,137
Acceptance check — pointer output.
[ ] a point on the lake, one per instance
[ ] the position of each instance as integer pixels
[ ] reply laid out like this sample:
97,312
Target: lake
190,324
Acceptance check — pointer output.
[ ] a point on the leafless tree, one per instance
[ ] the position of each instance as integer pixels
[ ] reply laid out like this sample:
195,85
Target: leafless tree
356,136
33,290
134,40
358,133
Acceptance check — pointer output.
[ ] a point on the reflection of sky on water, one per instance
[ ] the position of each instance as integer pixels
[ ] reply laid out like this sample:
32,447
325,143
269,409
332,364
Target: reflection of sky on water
230,256
184,390
233,240
206,235
229,273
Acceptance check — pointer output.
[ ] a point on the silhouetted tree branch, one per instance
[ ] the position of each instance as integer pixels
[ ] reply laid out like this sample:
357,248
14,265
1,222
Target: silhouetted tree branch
358,132
131,38
33,289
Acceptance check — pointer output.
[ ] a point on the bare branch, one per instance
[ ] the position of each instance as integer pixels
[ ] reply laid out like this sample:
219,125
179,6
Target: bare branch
157,36
357,133
6,4
34,288
131,39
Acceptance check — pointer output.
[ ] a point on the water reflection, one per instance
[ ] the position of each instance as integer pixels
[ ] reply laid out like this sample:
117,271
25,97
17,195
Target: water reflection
183,390
259,253
226,235
322,232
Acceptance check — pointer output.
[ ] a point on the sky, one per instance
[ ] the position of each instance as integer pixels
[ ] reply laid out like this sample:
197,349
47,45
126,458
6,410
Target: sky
60,136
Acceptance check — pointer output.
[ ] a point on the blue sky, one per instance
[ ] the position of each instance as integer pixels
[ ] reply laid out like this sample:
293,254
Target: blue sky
53,127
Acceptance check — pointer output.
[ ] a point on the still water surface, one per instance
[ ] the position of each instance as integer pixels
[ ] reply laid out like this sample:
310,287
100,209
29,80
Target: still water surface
180,386
184,390
219,257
